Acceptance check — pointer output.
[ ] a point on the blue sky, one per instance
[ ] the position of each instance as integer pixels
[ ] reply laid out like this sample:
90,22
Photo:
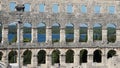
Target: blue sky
69,9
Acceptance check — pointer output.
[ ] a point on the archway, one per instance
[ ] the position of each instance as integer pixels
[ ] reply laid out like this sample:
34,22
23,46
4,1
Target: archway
12,57
41,57
27,57
111,33
111,53
41,32
1,54
83,33
69,56
69,31
97,32
55,56
55,32
83,56
97,56
27,32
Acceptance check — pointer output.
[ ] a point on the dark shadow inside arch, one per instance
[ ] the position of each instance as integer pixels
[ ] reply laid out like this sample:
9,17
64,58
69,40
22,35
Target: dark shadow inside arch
97,56
41,32
69,32
83,33
0,32
83,56
55,32
69,56
97,32
27,32
41,57
27,57
12,57
1,54
111,53
12,32
55,56
111,33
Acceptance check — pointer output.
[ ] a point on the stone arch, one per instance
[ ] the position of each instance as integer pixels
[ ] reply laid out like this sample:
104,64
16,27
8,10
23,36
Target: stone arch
41,56
27,57
41,31
111,53
111,32
97,56
12,57
1,54
55,32
27,32
97,32
69,31
83,32
12,32
83,56
69,56
55,56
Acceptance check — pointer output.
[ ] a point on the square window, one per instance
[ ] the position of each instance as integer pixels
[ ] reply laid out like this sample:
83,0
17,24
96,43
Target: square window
97,9
42,8
55,8
111,9
83,9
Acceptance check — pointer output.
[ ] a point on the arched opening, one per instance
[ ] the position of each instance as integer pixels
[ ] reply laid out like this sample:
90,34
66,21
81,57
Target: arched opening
27,32
55,56
97,32
97,56
111,33
83,56
1,54
27,57
111,53
41,32
0,31
41,57
12,57
12,32
55,32
69,31
83,33
69,56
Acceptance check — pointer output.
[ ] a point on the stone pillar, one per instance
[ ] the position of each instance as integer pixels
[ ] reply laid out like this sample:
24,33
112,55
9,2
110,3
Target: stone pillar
62,59
34,35
90,35
76,59
4,34
118,35
104,35
48,60
20,33
62,35
90,57
34,60
48,35
5,57
76,35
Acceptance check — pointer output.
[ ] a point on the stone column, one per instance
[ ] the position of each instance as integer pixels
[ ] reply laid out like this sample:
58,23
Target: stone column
118,35
20,33
90,57
5,57
62,35
48,60
34,35
34,60
4,34
48,35
76,59
90,35
76,35
104,35
62,59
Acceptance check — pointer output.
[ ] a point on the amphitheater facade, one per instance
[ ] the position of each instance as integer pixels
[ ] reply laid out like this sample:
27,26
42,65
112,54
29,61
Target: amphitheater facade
97,53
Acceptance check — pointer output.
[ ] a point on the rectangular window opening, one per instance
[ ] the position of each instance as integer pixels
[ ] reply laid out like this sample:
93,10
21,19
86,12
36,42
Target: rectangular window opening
111,9
12,6
69,9
55,8
83,9
97,9
27,7
42,8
